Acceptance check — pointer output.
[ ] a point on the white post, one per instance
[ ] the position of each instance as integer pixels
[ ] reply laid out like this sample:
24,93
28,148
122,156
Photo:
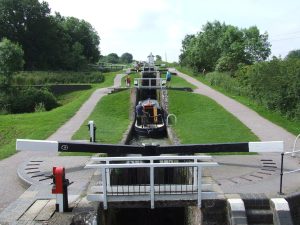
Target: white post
104,188
152,184
195,175
199,186
92,130
108,174
295,142
60,202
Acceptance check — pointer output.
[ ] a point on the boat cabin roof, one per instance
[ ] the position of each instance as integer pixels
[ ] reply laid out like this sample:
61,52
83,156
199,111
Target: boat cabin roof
151,102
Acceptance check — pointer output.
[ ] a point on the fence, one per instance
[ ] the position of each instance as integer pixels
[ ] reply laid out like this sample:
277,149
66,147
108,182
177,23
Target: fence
187,186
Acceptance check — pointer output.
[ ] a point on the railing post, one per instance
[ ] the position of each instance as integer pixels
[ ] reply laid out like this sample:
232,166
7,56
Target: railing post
104,187
107,174
281,174
152,184
199,186
195,174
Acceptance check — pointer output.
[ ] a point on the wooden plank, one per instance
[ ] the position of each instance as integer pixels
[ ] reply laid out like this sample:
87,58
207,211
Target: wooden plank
34,210
46,213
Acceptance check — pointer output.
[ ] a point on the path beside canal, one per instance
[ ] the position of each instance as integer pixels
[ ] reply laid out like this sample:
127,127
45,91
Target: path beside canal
261,127
11,188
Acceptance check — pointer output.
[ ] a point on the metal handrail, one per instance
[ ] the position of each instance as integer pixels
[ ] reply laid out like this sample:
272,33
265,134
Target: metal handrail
151,165
161,82
169,117
295,142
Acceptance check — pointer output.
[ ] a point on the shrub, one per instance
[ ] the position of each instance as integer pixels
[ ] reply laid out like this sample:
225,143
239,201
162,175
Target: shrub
42,78
26,100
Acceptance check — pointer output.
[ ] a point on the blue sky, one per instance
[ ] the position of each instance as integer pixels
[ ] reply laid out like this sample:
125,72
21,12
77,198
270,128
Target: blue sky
158,26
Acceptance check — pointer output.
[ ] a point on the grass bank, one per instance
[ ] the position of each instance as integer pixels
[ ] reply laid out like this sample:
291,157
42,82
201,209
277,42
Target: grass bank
202,120
292,126
111,116
42,124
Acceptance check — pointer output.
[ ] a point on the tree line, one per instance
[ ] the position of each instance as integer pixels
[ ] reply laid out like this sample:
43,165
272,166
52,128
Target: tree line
237,60
49,42
224,47
114,58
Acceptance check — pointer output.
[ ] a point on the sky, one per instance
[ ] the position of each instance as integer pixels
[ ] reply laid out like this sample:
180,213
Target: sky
158,26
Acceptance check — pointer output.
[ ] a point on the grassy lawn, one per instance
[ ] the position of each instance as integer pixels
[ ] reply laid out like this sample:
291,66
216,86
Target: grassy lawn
202,120
292,126
41,125
179,82
111,116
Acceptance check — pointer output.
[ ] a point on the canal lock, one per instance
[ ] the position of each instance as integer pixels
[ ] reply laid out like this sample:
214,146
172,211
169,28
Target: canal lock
129,214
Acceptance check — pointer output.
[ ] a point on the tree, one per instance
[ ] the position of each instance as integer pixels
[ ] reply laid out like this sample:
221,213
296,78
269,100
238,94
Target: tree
11,60
158,59
82,32
112,58
223,47
126,58
295,54
47,40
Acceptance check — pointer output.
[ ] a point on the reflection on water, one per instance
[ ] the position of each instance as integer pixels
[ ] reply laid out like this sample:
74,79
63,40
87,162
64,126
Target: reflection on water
139,140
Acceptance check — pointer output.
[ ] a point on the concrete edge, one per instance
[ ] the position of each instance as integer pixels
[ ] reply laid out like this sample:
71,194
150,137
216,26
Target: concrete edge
23,178
236,211
281,211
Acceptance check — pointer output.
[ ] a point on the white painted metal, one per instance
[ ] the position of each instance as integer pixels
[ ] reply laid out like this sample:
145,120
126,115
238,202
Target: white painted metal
104,189
60,202
148,158
294,148
199,187
128,189
171,115
151,163
152,187
92,130
148,165
160,82
36,145
161,197
268,146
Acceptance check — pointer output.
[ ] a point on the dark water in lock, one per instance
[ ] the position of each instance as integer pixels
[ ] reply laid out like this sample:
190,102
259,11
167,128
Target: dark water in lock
139,140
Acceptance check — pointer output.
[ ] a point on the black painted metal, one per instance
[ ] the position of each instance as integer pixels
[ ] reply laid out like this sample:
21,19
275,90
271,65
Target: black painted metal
151,149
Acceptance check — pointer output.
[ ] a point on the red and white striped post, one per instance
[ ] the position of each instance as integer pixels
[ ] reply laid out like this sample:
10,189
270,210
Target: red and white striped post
60,188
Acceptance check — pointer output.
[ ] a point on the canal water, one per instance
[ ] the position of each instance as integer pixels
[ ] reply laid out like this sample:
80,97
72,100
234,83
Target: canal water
140,140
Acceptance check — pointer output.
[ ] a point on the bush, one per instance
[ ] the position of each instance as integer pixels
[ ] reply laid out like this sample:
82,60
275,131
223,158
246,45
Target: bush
42,78
27,100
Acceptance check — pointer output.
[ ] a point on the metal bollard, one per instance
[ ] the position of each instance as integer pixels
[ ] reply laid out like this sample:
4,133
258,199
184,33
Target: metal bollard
92,131
60,188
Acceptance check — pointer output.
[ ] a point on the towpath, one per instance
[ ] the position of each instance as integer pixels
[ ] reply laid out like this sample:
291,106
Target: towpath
11,188
264,129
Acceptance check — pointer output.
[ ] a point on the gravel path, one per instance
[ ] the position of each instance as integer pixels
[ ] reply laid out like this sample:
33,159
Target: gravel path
264,129
11,188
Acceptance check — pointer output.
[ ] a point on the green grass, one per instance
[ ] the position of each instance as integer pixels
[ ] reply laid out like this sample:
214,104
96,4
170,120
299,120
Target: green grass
132,76
292,126
111,116
41,125
202,120
180,82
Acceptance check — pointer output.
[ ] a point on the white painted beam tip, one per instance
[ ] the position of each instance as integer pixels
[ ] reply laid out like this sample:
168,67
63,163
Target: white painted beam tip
36,145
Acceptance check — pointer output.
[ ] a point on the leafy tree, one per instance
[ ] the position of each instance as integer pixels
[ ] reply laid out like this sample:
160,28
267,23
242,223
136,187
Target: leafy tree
82,32
223,47
11,61
126,58
112,58
158,59
295,54
47,40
